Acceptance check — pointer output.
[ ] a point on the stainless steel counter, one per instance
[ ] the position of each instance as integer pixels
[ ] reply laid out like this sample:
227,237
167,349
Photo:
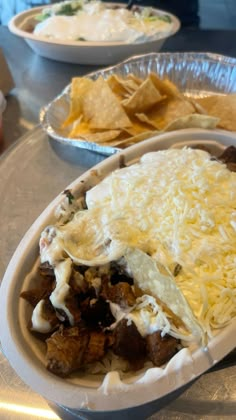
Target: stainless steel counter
32,172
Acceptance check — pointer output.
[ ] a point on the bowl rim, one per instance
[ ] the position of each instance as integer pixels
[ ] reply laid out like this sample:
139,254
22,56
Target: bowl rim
16,22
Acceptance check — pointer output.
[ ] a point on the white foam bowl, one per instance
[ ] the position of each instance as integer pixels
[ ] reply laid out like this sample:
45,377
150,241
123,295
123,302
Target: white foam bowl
145,391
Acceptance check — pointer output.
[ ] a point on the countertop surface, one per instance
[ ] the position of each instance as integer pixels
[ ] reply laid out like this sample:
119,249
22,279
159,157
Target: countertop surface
33,172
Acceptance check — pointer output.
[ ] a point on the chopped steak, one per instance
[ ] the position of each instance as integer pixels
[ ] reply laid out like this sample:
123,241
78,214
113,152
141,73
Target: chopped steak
231,166
97,313
97,347
121,293
33,296
119,274
46,270
71,348
228,155
160,349
120,277
65,350
72,303
129,344
229,158
49,313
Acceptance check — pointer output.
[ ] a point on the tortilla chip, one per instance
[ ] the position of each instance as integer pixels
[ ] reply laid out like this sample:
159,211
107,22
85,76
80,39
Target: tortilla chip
222,107
138,126
169,110
79,128
101,137
102,109
129,84
142,136
116,86
135,78
143,98
79,88
193,121
130,140
165,86
121,139
145,119
149,279
198,108
207,102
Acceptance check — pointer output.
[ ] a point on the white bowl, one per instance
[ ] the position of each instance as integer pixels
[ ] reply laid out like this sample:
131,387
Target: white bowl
93,53
148,389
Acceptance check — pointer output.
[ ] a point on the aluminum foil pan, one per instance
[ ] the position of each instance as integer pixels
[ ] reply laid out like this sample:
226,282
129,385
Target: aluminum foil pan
196,75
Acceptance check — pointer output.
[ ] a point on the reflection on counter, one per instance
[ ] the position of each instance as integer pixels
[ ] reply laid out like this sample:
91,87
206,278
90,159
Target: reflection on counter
34,412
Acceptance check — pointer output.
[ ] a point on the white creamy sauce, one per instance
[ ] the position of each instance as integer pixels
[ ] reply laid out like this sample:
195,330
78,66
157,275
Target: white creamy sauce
39,323
97,23
62,272
146,315
51,250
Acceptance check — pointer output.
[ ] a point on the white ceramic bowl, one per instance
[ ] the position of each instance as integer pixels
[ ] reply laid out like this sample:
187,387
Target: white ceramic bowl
93,53
145,391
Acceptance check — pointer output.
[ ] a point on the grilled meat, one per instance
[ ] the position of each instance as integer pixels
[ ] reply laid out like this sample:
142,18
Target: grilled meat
129,344
46,270
66,349
160,349
121,293
97,346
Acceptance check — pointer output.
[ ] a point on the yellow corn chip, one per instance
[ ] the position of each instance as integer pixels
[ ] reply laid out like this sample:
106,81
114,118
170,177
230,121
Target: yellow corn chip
102,109
79,87
165,86
193,121
169,110
143,98
101,137
222,107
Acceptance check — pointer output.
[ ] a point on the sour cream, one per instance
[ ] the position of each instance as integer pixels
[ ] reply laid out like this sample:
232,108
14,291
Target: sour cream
95,22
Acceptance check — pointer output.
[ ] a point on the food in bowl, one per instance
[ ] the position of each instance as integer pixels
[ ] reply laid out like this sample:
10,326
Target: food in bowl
96,21
148,253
